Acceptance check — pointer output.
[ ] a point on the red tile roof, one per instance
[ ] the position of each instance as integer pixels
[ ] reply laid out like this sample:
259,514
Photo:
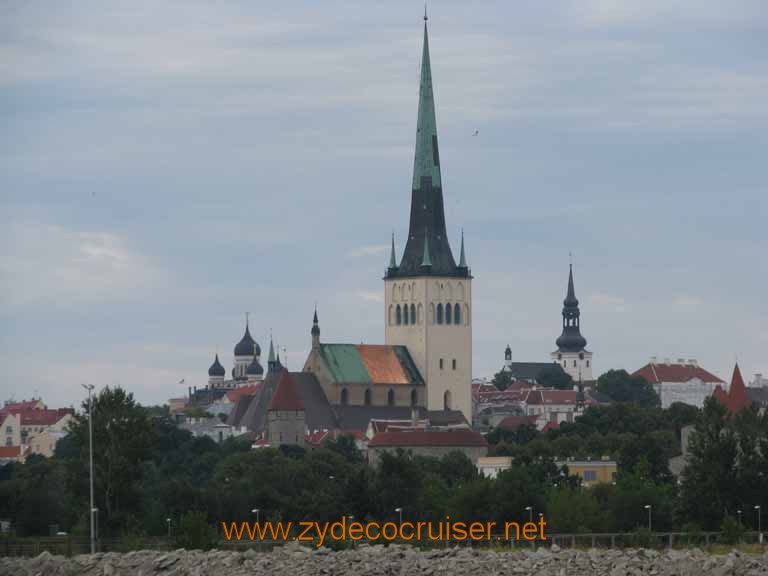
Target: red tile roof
550,426
738,399
550,396
460,438
250,390
656,373
721,395
286,396
43,417
382,364
10,451
514,422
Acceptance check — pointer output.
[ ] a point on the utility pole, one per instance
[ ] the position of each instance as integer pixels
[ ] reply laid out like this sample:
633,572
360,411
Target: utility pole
92,509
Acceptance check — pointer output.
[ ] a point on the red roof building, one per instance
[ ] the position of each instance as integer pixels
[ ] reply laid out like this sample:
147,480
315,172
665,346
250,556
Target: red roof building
682,381
738,399
249,390
512,423
286,396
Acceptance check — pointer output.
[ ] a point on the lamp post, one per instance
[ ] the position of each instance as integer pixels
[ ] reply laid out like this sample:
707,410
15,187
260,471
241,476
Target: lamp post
256,511
649,508
399,510
93,510
759,524
739,514
530,513
168,522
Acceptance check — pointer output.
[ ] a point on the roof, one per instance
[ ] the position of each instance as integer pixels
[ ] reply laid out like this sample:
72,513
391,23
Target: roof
286,396
462,437
237,413
255,368
250,390
675,373
370,364
738,399
550,426
514,422
10,451
318,437
216,368
44,417
551,396
247,345
721,395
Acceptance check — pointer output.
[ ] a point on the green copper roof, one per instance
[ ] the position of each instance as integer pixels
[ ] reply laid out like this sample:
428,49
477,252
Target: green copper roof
425,259
462,257
392,259
271,357
344,362
427,161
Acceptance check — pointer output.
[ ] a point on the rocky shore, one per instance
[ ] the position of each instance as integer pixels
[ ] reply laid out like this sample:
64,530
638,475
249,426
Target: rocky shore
293,560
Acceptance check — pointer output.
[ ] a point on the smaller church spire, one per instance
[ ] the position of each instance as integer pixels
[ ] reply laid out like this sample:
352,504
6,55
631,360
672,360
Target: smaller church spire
462,257
392,258
426,261
315,331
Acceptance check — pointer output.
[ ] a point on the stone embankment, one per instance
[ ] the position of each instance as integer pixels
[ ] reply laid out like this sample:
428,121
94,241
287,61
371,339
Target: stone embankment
293,560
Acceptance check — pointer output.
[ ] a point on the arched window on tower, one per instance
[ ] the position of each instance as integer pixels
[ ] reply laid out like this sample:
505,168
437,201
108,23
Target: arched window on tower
414,397
431,313
344,396
391,397
398,315
447,400
439,313
405,314
420,315
466,314
391,315
413,314
367,398
456,314
448,313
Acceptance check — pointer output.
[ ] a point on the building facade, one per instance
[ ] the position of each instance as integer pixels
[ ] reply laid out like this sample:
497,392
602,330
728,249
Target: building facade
428,297
681,381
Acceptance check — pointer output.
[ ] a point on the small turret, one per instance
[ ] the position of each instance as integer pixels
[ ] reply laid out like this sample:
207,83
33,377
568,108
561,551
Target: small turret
315,332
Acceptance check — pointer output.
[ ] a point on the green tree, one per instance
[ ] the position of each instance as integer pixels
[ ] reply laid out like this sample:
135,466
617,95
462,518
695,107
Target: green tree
555,377
619,386
502,379
123,436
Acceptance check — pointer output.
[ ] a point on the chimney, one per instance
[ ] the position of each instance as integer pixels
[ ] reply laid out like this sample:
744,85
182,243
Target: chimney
681,360
692,362
654,359
667,361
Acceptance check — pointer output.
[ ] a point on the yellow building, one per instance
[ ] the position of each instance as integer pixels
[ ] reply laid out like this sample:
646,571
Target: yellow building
591,472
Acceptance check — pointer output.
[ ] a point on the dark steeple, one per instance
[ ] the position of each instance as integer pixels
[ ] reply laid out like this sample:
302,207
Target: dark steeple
392,257
426,233
216,368
571,339
315,331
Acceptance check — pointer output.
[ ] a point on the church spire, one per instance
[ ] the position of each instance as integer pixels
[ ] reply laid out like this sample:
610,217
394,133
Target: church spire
462,257
392,259
427,221
571,339
426,261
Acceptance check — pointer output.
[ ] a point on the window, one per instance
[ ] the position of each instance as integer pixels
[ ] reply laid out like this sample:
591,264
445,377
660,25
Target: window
453,362
447,400
439,313
587,363
398,315
559,356
344,396
405,314
581,355
456,314
367,398
414,397
9,429
574,363
391,397
441,363
413,314
391,317
9,441
590,475
420,317
448,313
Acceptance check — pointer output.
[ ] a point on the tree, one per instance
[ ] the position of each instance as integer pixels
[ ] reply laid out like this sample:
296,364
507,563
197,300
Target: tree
619,386
555,377
123,435
502,379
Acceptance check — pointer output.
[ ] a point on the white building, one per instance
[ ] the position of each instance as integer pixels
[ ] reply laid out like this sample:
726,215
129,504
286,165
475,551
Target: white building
681,381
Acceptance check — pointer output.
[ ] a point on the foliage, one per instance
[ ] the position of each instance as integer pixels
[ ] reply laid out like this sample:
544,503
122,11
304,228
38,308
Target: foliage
194,532
731,529
555,378
502,379
619,386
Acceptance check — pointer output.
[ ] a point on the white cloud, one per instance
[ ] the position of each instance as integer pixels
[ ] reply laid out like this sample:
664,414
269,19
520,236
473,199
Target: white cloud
371,250
687,301
608,301
370,295
44,263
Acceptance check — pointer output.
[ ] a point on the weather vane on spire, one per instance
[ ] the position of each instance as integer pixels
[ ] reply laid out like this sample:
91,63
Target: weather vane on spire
425,12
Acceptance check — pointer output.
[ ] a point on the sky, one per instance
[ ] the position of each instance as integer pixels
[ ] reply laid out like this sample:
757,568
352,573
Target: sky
166,167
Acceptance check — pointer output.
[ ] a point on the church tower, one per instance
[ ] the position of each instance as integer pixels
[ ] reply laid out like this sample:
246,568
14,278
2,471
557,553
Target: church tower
428,297
571,351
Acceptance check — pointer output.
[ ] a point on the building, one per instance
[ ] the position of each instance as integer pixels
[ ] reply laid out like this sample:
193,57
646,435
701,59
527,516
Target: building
737,398
492,466
529,372
681,381
32,427
571,351
432,443
428,296
286,423
591,472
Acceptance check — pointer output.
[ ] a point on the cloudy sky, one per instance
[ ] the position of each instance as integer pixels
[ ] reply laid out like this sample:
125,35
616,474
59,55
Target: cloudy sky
166,167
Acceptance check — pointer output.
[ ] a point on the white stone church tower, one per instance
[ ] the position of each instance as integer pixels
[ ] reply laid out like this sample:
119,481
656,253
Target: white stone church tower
428,297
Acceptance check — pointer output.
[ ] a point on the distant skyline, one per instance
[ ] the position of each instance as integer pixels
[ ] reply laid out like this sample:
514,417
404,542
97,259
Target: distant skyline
167,167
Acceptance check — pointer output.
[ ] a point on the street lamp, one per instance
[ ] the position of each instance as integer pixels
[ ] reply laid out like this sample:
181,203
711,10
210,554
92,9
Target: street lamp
759,524
739,513
256,511
400,511
648,507
530,513
90,388
168,522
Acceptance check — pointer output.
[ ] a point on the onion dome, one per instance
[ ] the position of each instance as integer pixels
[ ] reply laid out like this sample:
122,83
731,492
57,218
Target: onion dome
247,345
216,368
571,339
254,368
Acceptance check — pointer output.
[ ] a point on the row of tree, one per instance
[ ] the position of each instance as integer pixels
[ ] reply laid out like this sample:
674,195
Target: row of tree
147,470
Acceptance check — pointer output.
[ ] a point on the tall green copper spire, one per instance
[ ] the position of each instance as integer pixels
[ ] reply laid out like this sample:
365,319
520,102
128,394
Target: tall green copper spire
427,160
392,259
426,231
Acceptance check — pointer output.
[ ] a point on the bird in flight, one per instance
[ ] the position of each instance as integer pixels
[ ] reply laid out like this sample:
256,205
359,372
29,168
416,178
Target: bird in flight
476,133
